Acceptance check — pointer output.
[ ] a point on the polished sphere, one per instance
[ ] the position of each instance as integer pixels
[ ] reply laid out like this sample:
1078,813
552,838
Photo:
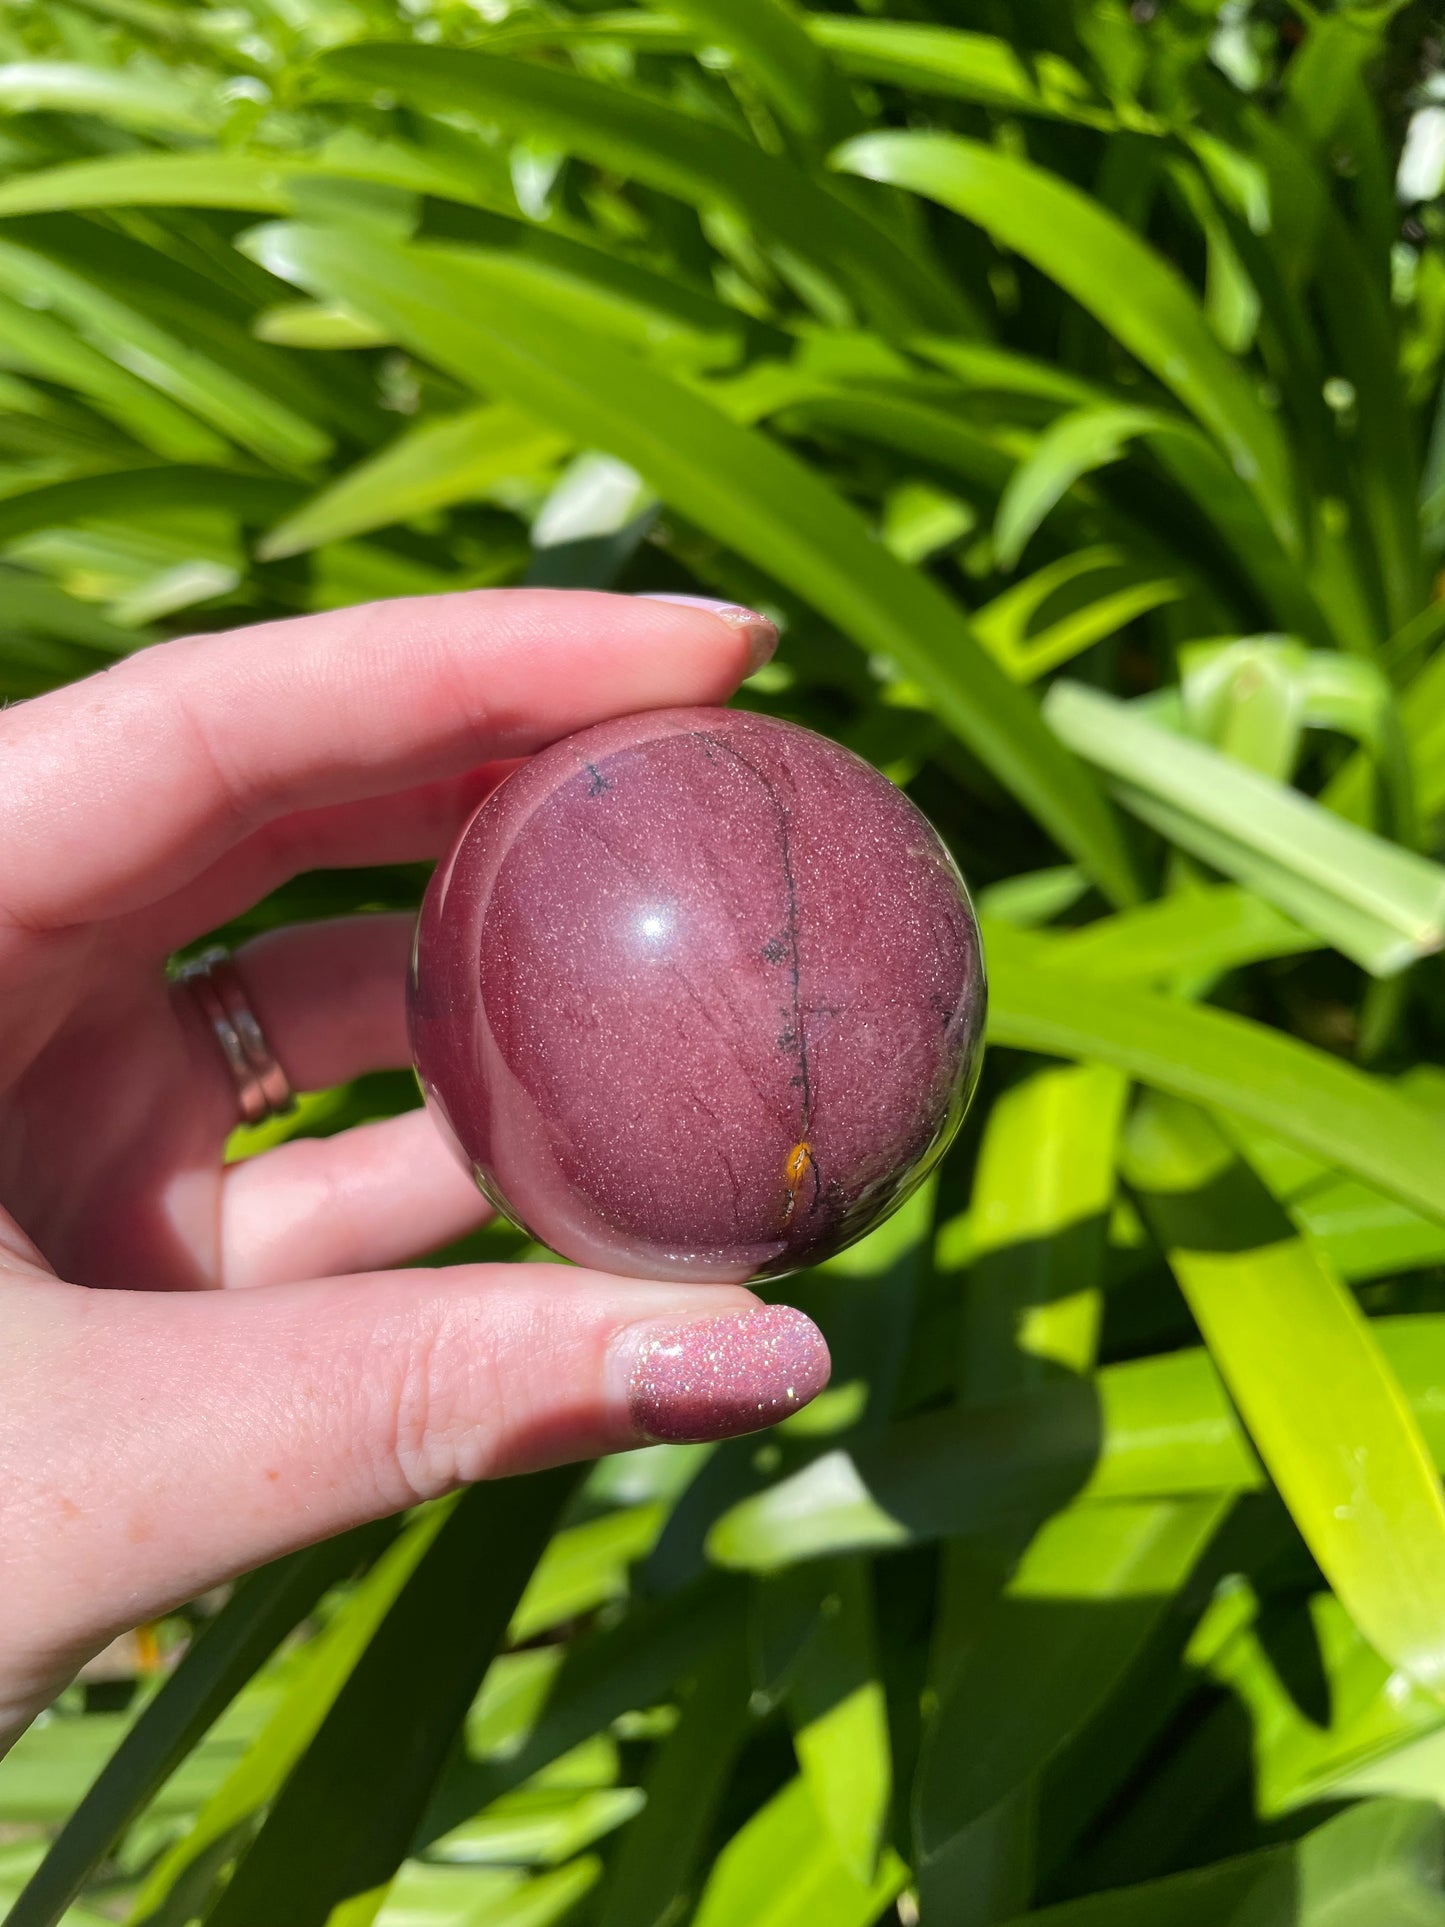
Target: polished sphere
697,994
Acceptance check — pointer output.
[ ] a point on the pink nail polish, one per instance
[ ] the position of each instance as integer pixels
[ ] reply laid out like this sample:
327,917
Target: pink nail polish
762,635
713,1378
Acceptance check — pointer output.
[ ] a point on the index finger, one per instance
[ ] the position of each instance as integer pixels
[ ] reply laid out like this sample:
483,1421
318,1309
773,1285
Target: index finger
120,789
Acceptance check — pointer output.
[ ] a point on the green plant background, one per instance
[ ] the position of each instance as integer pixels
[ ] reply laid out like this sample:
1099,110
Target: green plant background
1063,378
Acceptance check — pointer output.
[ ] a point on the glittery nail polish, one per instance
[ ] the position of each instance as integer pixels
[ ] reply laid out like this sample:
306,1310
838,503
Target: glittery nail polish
762,635
713,1378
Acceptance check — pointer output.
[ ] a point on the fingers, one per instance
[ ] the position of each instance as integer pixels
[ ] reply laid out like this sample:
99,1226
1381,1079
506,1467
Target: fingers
158,1444
413,826
330,999
376,1195
119,790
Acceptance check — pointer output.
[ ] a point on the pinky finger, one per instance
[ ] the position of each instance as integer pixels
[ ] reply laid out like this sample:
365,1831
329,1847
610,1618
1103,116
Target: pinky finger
369,1198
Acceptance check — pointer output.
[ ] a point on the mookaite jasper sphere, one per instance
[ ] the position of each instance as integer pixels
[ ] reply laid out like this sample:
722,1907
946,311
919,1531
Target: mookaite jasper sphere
697,994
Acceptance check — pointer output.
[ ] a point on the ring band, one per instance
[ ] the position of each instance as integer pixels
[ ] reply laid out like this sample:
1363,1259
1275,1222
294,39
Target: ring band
261,1087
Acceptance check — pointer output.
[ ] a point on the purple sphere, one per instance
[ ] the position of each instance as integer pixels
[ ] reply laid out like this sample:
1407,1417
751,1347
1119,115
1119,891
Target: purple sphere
697,994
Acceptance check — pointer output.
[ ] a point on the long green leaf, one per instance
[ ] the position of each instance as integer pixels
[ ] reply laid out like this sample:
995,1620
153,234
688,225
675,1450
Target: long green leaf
1092,255
732,481
1381,904
964,66
1345,1117
1151,1429
695,159
1088,1592
238,408
657,1872
775,42
247,1630
1070,448
431,466
1377,1863
342,1825
836,1707
1322,1406
782,1870
150,102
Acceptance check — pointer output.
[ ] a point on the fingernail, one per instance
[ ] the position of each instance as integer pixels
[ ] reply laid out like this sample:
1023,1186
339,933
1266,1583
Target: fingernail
713,1378
762,635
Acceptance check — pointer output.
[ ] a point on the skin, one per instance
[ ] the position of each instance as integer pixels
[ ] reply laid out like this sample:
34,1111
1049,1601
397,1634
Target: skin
168,1431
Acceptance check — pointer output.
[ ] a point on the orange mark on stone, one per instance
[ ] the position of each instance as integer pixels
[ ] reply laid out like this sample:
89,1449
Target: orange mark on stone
798,1164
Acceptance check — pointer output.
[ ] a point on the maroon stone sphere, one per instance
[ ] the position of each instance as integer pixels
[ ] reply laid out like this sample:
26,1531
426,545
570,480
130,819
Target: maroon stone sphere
697,994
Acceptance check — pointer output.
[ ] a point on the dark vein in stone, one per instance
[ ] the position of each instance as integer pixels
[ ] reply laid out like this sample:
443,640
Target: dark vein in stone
803,1081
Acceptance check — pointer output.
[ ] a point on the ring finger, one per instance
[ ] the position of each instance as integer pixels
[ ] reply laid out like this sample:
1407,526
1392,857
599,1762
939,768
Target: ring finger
330,1001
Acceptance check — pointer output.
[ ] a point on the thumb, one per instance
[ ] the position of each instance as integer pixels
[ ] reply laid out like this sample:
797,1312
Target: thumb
158,1443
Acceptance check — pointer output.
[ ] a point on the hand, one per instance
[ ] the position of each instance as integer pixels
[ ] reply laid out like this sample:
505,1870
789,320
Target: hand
162,1435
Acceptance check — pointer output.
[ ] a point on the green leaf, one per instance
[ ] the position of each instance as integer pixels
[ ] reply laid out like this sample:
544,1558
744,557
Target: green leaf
1422,720
1196,933
621,1669
775,43
431,466
426,1895
341,1826
257,498
961,66
744,489
308,324
1004,628
1154,1428
1069,449
1087,1594
1322,1406
267,1607
1095,258
1041,1196
149,101
1378,1862
782,1870
46,348
1382,905
238,408
656,1871
637,135
191,1863
834,1700
257,183
1344,1116
583,1568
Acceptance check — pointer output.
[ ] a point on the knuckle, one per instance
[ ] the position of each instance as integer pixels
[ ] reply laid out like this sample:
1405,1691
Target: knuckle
438,1404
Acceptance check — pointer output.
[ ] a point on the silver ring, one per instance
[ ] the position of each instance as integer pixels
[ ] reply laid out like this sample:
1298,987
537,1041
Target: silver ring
262,1089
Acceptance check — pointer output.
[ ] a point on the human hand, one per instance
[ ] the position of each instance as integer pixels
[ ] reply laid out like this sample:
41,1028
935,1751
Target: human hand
163,1435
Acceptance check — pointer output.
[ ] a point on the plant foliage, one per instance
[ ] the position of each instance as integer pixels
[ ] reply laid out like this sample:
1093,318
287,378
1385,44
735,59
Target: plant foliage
1066,381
